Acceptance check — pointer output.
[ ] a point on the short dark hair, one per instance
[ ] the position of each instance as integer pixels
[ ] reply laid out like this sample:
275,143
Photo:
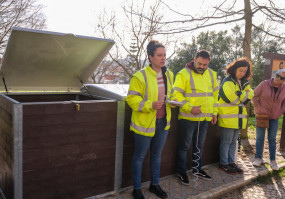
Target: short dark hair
241,62
151,48
203,53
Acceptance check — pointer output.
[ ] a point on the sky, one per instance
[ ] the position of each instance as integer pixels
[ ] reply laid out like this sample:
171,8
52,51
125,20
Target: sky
79,16
75,16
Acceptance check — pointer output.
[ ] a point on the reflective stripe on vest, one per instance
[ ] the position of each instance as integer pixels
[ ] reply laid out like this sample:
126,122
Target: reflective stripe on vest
134,93
141,105
205,94
170,83
183,102
142,129
233,116
212,80
167,73
180,90
145,79
193,88
235,101
190,115
230,105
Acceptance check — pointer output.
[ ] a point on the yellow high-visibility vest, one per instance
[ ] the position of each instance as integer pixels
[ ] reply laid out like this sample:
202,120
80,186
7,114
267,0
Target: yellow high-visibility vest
143,91
194,89
232,100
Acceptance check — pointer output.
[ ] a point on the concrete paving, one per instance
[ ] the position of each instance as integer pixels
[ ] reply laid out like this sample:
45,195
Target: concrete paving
221,185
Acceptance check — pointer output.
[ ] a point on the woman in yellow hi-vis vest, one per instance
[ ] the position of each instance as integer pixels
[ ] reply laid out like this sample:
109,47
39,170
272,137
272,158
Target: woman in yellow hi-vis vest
234,94
150,120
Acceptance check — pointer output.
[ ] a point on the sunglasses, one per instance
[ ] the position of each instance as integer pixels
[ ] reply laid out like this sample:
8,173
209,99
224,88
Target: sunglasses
280,77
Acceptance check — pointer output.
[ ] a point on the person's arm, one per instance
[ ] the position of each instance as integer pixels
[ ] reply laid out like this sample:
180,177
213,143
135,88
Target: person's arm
247,94
171,97
228,94
179,90
255,99
215,95
135,96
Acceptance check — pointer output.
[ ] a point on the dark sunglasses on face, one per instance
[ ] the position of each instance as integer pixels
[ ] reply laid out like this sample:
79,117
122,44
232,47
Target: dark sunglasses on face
281,78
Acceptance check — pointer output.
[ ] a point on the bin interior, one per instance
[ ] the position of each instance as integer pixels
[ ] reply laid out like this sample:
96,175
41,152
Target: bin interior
24,98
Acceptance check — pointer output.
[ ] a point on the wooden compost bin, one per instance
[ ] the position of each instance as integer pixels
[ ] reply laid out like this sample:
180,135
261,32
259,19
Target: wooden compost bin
61,138
55,140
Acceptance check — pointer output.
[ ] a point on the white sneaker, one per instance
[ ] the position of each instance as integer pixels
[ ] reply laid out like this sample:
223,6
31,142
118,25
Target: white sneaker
274,165
257,162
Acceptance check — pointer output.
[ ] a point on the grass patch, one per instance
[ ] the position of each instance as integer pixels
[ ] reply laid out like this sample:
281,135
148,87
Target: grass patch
251,122
271,174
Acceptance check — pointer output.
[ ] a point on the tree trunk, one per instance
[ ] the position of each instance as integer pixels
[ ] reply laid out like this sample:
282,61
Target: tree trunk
246,45
248,29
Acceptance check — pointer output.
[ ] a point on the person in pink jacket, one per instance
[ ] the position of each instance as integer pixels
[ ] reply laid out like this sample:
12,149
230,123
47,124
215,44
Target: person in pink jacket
269,99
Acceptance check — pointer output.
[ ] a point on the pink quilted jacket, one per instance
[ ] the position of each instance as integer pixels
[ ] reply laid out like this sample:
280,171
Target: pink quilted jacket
267,102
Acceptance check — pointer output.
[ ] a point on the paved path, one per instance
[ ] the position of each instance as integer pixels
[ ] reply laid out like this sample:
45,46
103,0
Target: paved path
223,186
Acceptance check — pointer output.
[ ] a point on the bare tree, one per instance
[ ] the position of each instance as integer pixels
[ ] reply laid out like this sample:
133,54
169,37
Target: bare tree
19,13
133,34
101,71
228,12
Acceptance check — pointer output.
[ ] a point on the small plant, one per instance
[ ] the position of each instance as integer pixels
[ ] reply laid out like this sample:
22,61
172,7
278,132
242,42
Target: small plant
282,173
267,178
252,127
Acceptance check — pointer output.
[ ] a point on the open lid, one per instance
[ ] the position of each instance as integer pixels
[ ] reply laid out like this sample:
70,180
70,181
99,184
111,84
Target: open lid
42,61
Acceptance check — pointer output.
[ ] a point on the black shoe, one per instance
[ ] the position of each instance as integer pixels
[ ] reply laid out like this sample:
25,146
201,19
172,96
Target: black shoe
183,178
137,194
201,174
236,168
227,169
156,189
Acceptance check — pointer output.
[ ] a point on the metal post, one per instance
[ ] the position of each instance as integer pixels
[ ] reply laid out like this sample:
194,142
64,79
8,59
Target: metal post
18,150
119,145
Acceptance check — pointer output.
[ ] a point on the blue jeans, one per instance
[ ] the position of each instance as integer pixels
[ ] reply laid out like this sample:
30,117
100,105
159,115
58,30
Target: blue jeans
188,132
260,134
141,145
228,145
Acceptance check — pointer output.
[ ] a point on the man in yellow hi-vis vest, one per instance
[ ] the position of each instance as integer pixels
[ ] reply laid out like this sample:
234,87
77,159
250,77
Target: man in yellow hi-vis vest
196,88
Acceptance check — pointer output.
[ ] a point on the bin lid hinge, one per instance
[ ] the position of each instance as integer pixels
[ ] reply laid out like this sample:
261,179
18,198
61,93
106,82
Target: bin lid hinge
86,88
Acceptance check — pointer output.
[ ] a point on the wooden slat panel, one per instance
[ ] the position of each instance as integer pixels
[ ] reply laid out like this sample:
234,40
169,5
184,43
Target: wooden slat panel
68,153
6,147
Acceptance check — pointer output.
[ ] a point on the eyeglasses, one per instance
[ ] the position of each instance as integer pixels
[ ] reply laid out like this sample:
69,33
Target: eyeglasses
280,77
